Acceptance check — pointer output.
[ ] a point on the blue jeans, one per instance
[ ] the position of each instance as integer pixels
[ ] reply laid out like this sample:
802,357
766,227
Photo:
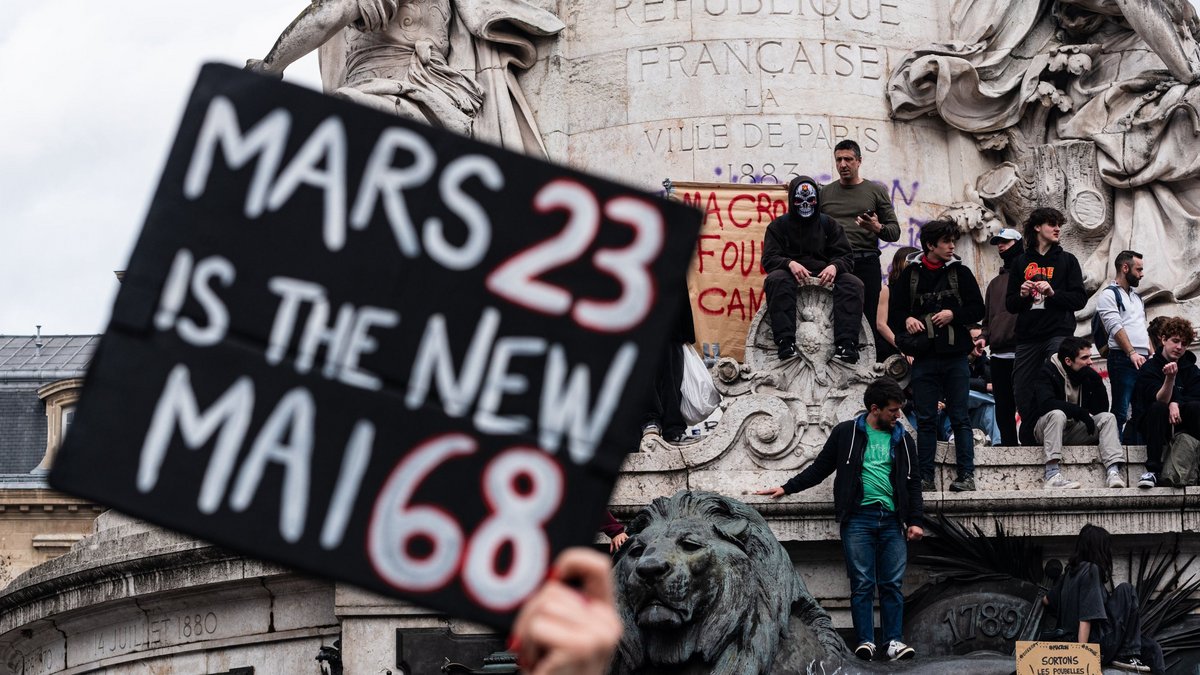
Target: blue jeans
943,378
1121,376
983,416
873,541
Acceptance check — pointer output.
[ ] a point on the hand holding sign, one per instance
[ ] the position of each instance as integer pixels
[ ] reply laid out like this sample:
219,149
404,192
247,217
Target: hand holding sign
374,350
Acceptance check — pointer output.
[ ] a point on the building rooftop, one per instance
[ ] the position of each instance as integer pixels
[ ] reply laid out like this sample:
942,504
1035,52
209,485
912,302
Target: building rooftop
58,357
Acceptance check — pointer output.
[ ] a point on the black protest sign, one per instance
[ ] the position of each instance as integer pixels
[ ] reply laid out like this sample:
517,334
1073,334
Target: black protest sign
376,351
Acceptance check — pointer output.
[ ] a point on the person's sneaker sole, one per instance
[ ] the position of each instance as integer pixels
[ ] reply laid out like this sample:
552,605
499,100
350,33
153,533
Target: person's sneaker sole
905,654
1130,667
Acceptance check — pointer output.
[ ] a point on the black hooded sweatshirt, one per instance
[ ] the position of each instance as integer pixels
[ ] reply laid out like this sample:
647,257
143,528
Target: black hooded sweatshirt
815,242
1150,379
1062,270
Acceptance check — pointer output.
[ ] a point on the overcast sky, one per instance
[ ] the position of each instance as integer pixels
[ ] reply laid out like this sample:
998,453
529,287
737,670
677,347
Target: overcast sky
93,92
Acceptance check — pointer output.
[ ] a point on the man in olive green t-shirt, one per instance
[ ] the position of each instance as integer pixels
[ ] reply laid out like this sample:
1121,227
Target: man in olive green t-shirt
865,212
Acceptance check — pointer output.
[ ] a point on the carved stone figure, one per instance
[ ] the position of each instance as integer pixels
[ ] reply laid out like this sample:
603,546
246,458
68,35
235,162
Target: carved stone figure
445,62
703,586
1095,105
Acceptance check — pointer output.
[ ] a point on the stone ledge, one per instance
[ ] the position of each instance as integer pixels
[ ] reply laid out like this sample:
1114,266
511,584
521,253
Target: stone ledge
808,516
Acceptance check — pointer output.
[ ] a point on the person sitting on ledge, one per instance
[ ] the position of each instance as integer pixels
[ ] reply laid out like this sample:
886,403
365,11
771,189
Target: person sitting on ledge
1088,613
1167,395
1072,408
801,244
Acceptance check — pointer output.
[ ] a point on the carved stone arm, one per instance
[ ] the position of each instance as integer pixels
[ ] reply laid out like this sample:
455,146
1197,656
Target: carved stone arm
313,27
1167,28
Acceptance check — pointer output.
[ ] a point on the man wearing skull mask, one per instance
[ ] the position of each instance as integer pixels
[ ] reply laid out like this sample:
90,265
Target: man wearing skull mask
803,244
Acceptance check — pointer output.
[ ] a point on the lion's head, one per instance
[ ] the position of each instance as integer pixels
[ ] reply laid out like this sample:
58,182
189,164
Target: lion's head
703,581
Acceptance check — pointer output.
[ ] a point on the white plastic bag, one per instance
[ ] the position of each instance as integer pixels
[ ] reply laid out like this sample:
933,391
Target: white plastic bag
698,397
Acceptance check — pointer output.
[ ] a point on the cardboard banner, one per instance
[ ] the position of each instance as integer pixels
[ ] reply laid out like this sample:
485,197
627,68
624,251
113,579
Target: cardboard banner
726,278
376,351
1058,658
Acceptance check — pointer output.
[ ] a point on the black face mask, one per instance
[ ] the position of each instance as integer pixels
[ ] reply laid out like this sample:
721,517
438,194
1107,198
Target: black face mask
1011,254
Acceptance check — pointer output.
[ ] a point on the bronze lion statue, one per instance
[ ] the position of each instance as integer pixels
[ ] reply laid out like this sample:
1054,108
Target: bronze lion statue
703,586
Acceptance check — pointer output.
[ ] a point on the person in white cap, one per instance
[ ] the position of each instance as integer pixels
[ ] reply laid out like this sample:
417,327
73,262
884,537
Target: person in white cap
1000,332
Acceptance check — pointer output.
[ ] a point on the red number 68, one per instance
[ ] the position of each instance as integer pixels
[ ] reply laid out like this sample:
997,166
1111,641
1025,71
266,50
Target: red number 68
516,518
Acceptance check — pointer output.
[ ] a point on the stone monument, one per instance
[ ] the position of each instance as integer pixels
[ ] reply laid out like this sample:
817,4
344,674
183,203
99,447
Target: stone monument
1092,106
703,586
445,62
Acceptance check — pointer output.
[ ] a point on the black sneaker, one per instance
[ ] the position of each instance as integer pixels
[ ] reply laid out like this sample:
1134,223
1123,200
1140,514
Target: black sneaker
865,651
927,485
787,350
963,484
846,353
1130,664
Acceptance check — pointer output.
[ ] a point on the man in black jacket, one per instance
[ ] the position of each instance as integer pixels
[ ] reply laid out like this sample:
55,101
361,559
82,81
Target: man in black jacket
930,307
806,244
1045,289
877,501
1166,394
1071,405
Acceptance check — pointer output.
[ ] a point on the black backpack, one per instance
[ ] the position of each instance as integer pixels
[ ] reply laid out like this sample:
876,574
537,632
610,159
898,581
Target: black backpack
1099,334
922,344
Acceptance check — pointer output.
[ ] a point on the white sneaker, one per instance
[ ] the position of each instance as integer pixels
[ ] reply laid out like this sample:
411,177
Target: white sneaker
1060,482
897,650
1114,480
865,651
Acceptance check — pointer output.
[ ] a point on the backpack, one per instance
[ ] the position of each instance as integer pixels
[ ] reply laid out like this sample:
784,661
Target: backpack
921,344
1099,334
1180,464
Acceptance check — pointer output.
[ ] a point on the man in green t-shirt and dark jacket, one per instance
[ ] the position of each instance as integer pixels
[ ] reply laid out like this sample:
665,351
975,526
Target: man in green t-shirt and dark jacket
877,500
864,210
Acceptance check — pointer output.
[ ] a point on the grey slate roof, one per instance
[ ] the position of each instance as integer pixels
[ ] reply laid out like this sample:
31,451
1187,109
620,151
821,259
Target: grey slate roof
22,429
24,368
60,356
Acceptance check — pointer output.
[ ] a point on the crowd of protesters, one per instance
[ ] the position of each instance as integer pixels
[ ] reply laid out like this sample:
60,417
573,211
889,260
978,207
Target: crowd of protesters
1037,386
1005,360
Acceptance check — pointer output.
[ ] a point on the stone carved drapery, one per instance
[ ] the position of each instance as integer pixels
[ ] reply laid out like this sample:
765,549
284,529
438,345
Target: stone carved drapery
450,63
1044,81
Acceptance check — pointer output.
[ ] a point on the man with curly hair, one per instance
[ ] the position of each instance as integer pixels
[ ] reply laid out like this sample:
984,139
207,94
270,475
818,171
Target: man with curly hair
1167,392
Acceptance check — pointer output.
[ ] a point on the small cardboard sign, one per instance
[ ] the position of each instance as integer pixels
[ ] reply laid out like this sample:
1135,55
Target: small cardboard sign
1058,658
376,351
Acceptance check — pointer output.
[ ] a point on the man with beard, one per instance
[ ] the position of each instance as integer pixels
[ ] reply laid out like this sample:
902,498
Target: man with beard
865,212
1072,408
877,500
1045,290
802,244
1124,317
1000,332
1168,388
